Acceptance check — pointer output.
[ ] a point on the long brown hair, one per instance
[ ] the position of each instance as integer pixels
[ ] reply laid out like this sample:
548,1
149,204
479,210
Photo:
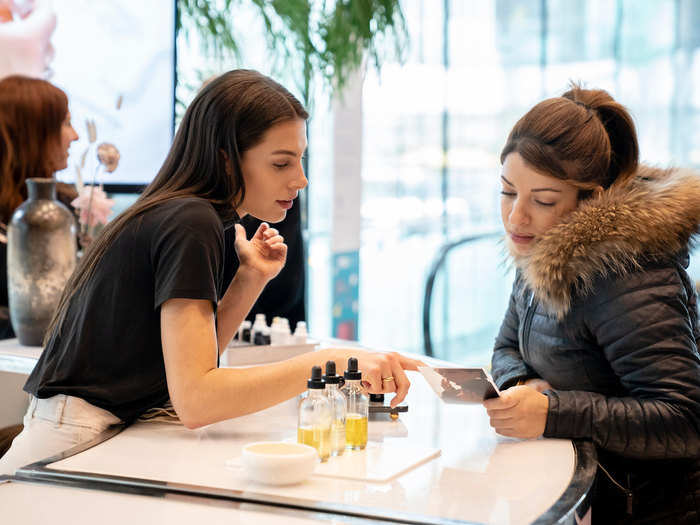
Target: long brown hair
584,137
31,114
228,116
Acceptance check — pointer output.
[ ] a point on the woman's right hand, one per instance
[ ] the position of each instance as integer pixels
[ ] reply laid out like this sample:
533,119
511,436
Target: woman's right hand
383,372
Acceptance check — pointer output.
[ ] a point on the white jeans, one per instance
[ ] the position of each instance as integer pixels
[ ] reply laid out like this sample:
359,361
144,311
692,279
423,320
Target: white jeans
53,425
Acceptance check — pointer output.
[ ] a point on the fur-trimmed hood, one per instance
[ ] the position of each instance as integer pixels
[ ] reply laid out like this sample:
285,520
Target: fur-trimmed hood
653,214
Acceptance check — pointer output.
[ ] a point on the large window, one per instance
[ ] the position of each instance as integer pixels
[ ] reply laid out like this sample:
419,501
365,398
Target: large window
433,130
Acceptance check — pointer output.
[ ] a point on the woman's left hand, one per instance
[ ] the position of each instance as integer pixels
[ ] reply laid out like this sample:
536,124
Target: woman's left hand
265,253
519,412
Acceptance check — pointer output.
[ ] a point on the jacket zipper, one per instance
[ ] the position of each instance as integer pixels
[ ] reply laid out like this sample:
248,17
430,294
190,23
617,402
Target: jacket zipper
527,323
629,495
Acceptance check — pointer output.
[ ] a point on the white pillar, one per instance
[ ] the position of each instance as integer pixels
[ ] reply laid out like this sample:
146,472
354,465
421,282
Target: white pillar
347,197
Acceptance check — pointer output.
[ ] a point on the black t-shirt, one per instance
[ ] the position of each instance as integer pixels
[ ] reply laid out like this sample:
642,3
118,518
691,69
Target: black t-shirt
109,350
285,295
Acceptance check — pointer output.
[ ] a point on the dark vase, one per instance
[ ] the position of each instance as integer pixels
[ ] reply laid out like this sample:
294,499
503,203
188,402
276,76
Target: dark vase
41,255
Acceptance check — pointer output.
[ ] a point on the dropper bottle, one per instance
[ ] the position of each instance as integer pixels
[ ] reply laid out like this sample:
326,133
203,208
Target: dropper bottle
315,416
357,407
338,409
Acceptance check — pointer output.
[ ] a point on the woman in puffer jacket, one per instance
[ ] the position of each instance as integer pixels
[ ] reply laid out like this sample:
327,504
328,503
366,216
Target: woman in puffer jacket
600,340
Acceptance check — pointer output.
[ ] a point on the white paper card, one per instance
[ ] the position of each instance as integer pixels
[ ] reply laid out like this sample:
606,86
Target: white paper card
460,385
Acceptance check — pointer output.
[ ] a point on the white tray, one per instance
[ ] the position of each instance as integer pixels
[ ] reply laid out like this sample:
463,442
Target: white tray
247,354
378,462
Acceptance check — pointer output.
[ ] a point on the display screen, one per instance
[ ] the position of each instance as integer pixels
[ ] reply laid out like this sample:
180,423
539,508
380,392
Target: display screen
115,61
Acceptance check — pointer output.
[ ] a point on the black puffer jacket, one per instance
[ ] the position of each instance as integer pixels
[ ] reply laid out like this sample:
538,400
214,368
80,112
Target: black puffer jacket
604,310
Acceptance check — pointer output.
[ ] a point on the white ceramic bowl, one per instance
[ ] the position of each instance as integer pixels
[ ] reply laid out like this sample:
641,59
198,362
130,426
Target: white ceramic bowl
278,463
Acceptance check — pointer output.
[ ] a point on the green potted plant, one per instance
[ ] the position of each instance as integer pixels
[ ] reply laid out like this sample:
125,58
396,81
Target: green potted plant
312,38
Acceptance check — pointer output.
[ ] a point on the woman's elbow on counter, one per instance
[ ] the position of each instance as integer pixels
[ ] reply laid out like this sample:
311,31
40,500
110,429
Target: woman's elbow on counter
192,424
191,415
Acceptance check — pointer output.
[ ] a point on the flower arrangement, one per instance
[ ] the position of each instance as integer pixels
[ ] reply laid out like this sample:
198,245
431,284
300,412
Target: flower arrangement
94,207
92,203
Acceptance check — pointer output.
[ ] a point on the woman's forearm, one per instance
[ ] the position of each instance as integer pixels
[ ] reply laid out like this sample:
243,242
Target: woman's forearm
225,393
244,290
202,393
628,426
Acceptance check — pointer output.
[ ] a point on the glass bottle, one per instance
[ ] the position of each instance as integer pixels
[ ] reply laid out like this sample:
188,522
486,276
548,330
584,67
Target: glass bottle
338,408
315,416
357,407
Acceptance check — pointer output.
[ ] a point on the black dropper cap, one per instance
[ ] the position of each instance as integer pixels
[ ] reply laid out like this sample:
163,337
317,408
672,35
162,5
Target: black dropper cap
315,382
376,398
352,373
331,378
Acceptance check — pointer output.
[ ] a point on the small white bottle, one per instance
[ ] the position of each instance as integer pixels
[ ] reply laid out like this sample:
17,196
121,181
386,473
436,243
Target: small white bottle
243,334
258,327
279,332
300,334
287,331
265,339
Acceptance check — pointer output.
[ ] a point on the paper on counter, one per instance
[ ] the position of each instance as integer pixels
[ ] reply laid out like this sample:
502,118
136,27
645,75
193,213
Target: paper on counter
378,462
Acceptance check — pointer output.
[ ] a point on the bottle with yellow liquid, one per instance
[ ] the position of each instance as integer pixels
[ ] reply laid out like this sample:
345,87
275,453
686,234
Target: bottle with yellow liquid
315,416
337,401
357,407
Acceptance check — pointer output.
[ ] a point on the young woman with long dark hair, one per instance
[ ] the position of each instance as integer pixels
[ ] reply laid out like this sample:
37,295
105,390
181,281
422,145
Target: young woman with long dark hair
144,317
600,340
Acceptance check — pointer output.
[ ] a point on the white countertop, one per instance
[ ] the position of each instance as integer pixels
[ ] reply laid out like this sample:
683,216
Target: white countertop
479,477
18,358
31,503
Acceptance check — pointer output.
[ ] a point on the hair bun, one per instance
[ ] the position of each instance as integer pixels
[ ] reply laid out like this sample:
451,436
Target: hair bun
619,127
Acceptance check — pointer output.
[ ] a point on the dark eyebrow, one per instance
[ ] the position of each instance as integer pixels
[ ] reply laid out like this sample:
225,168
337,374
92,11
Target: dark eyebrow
284,152
533,191
545,189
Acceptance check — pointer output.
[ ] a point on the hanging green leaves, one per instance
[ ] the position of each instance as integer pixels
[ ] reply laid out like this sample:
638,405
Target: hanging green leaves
324,38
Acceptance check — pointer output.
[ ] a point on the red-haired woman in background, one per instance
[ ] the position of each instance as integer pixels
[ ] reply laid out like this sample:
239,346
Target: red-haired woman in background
35,134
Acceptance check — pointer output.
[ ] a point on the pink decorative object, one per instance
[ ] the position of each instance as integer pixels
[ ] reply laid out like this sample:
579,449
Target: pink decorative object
95,208
108,156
